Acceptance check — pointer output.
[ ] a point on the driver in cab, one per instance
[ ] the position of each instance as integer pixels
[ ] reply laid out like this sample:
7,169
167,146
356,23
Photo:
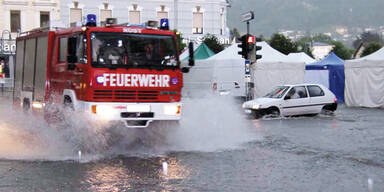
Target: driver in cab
148,51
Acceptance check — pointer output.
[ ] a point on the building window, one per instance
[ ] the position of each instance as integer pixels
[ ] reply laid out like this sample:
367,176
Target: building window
134,15
104,14
75,13
197,21
15,21
162,13
44,19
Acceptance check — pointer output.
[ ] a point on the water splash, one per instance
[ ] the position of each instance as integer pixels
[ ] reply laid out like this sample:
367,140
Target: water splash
208,124
165,168
370,184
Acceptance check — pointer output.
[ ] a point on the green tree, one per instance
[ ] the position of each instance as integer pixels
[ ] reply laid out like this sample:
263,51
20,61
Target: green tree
306,48
283,44
304,45
366,38
341,50
371,48
321,38
179,39
213,43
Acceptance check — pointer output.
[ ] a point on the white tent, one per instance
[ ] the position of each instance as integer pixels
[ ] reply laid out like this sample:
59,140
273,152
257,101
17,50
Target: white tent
223,72
275,69
364,81
301,57
226,70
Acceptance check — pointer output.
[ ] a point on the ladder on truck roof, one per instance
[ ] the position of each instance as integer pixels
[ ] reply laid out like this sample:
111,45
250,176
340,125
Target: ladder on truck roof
38,30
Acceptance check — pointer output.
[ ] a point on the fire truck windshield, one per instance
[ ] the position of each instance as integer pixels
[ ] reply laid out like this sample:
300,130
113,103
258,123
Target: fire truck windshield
121,50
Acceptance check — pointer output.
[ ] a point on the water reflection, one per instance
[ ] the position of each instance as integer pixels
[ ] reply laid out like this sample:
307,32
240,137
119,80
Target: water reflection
135,173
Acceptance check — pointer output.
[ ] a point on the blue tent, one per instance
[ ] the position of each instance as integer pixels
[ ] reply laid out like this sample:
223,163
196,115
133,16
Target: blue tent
329,72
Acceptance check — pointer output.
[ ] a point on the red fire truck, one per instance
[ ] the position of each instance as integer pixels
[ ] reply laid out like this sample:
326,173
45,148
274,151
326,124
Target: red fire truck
115,72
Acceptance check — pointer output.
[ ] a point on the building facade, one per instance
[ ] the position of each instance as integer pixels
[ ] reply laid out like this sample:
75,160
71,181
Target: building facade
321,50
193,18
25,15
19,16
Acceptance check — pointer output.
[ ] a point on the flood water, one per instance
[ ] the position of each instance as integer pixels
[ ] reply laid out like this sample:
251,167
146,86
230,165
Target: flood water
215,148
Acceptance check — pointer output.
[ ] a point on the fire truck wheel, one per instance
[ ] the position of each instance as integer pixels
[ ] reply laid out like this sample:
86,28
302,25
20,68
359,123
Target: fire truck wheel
68,103
67,110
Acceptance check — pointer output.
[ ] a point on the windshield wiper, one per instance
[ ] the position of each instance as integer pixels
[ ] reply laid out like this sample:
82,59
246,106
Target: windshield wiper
155,66
109,66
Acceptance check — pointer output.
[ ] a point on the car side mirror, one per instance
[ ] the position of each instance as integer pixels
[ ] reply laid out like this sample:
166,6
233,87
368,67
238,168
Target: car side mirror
185,70
287,97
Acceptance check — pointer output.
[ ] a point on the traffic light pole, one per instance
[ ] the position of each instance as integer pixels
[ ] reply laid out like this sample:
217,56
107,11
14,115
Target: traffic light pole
247,83
246,17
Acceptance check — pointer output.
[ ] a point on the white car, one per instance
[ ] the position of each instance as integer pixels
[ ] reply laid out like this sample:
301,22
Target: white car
290,100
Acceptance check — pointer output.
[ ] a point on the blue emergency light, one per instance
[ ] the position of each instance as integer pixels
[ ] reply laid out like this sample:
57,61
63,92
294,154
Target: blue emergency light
91,20
164,24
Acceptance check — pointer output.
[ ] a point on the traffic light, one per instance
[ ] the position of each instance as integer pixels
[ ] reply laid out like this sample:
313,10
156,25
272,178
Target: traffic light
250,44
243,46
258,48
252,53
249,48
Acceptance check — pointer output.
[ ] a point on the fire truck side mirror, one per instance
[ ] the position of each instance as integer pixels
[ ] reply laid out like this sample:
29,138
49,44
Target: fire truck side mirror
185,70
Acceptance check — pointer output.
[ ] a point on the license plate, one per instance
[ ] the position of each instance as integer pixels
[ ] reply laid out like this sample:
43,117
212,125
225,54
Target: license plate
138,108
248,111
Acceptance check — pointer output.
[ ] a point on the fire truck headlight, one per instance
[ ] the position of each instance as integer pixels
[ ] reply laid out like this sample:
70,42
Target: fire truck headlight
172,109
38,105
104,111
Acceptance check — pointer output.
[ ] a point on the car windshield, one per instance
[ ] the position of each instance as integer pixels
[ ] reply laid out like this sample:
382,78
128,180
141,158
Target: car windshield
133,50
278,92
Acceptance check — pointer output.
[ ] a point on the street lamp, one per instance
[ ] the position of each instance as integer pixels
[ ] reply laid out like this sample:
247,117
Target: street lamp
9,34
2,52
2,39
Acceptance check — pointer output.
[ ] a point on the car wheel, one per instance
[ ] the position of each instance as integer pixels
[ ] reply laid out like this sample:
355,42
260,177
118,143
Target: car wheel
257,114
274,112
330,108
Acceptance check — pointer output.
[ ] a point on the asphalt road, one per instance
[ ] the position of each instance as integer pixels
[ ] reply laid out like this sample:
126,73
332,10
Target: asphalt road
215,148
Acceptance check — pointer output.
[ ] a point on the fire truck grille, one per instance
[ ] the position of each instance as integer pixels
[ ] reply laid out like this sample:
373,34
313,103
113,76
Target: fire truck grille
125,95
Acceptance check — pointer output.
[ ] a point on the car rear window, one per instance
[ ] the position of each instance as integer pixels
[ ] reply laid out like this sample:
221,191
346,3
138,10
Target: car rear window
315,91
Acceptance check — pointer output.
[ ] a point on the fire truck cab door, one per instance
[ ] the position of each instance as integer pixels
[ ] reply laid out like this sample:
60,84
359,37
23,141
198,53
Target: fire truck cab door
76,62
69,67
